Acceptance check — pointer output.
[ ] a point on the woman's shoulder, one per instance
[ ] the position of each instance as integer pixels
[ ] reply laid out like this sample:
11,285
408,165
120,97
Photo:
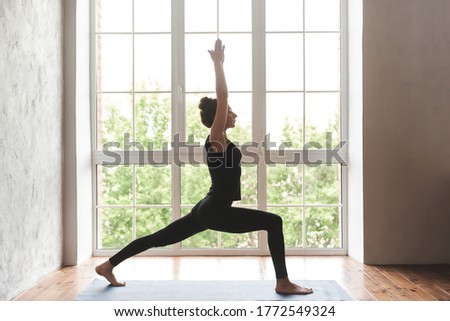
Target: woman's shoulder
210,149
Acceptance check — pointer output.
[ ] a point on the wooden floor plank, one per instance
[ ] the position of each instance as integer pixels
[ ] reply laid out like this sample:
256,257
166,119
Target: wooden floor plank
422,279
412,292
354,279
437,274
362,282
378,286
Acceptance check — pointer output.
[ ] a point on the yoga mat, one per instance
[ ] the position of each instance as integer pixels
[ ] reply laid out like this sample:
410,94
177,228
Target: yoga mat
176,290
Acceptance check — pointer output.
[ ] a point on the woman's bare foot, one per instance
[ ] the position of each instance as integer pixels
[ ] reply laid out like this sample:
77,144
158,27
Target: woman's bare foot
106,269
284,286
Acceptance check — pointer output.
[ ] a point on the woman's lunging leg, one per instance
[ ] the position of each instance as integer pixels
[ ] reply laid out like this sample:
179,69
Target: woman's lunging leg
242,220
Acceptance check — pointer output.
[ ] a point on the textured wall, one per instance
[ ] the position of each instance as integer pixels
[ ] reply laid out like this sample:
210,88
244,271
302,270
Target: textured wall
30,142
406,131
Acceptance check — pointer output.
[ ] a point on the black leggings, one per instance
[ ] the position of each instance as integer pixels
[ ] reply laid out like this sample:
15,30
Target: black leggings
216,214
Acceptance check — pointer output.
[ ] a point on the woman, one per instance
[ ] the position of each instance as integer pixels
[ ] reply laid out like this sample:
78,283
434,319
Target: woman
215,210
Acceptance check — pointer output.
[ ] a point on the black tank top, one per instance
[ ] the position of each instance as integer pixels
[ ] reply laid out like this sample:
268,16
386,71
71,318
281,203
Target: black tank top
225,171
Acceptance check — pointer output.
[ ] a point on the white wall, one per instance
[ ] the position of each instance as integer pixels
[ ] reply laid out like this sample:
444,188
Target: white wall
406,131
355,199
30,142
77,134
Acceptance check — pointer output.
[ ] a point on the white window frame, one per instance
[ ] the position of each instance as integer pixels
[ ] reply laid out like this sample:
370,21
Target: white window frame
258,133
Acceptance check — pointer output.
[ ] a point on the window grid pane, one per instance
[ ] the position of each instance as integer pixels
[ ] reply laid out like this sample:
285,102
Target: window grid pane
139,104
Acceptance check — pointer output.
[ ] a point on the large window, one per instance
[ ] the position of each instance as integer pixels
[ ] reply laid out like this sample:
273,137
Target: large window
284,72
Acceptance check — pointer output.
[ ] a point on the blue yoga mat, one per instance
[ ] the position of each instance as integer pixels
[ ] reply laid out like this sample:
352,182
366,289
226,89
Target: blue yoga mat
176,290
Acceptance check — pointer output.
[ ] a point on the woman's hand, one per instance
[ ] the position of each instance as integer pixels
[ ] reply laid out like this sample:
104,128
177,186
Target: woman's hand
218,54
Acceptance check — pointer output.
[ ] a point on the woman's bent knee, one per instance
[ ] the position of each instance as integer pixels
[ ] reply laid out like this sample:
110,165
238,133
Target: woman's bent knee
278,219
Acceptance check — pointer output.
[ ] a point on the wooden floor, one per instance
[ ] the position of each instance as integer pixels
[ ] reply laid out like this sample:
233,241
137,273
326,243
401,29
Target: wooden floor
362,282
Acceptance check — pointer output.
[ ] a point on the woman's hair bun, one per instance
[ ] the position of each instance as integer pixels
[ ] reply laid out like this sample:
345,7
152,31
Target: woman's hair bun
207,108
204,103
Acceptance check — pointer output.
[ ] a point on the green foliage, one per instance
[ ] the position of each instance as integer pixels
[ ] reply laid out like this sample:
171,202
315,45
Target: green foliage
153,185
322,184
116,224
284,184
153,120
322,227
150,220
116,185
299,187
116,118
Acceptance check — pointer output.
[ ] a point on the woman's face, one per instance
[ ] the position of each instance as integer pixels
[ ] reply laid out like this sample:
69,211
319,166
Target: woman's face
231,119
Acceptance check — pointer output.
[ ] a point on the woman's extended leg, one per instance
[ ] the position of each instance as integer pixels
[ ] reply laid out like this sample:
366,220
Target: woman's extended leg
172,233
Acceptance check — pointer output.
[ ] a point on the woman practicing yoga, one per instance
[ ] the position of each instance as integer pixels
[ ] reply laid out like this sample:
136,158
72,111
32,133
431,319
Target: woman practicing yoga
215,211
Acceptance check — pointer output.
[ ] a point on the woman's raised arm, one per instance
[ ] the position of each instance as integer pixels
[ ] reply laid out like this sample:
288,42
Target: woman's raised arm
217,134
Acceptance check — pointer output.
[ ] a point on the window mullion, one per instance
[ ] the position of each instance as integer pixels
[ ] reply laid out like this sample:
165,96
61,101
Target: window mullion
304,133
133,104
178,114
259,102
